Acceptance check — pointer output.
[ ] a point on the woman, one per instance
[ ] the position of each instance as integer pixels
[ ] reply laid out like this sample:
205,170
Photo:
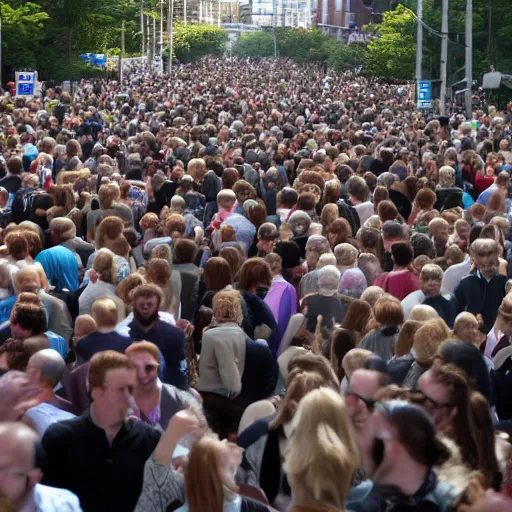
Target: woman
235,256
266,440
103,280
339,232
322,455
156,402
358,319
389,315
281,297
444,392
254,282
159,272
208,483
400,364
342,342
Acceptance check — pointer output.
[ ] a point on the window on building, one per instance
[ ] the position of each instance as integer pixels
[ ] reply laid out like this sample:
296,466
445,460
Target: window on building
338,5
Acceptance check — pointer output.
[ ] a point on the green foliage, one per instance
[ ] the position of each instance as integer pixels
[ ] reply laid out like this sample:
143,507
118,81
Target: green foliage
302,46
193,41
392,54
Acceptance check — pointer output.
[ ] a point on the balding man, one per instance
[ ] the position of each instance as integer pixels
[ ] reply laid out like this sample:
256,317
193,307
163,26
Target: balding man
63,232
59,318
20,474
47,367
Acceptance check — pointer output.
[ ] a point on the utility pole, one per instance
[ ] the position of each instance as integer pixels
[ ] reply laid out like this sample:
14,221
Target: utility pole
0,51
469,59
161,70
444,56
154,40
143,45
171,32
200,11
419,41
184,12
121,55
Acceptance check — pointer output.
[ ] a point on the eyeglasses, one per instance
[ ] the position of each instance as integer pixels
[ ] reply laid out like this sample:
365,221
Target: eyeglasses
419,397
370,404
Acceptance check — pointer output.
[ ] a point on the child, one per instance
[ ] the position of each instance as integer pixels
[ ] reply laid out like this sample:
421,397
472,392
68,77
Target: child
226,199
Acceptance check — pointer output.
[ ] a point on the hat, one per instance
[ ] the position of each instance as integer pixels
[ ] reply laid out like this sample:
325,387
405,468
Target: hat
353,283
329,280
267,231
30,151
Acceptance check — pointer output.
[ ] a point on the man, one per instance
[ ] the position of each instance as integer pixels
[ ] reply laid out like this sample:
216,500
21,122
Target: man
20,474
501,182
63,232
60,266
401,459
359,195
360,404
145,357
59,319
100,455
105,337
147,325
392,233
12,182
481,293
47,367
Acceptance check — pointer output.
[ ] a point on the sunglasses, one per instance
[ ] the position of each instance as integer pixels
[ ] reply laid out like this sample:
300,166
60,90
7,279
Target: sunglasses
149,368
370,404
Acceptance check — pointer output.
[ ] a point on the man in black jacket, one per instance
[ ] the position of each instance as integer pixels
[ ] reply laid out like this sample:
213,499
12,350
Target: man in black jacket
100,455
481,293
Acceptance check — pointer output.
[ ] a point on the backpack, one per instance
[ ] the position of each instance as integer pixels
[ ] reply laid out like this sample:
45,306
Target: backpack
22,204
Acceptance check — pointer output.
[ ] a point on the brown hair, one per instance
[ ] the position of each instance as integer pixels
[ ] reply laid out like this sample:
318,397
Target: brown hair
17,244
329,214
358,317
217,274
158,271
381,194
341,228
104,312
175,225
387,211
388,311
104,264
143,346
425,199
342,341
147,291
255,271
104,361
110,228
185,251
127,285
227,306
29,315
405,339
235,259
276,263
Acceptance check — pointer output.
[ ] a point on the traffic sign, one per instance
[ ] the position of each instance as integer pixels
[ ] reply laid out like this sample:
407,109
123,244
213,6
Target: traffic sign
424,94
26,82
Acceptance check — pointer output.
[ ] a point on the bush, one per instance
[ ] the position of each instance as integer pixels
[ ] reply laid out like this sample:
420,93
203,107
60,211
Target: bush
193,41
255,44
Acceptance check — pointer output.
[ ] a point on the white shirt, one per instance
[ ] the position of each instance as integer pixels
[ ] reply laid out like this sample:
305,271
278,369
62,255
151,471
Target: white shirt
44,415
365,211
413,299
93,291
453,276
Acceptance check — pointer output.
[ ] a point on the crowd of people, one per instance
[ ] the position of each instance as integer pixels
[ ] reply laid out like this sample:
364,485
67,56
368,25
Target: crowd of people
250,286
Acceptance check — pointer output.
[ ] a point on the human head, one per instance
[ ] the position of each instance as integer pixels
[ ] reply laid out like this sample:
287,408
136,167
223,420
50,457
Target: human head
372,294
465,327
328,280
255,272
27,279
427,340
104,313
388,311
145,358
431,277
125,288
217,274
392,233
111,384
405,439
369,240
17,244
358,190
185,251
235,257
275,262
226,199
105,266
227,306
423,313
27,319
323,447
62,229
146,303
48,366
84,325
370,266
19,467
405,339
339,232
358,317
346,255
342,342
485,255
315,247
447,176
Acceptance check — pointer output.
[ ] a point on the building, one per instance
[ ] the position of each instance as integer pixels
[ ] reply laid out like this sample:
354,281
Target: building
282,13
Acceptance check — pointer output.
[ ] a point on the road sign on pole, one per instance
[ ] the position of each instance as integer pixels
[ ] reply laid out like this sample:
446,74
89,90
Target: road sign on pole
424,94
26,82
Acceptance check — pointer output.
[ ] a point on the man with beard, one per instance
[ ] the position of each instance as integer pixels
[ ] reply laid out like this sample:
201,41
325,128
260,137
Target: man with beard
105,337
170,340
20,474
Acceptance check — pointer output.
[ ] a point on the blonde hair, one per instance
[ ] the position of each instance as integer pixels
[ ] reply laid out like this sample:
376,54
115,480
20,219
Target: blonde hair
322,455
144,346
127,285
427,340
84,325
227,306
105,266
104,312
354,360
346,254
462,320
422,313
205,479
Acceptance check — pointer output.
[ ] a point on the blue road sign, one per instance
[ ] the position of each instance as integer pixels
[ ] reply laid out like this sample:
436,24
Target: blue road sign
26,83
424,91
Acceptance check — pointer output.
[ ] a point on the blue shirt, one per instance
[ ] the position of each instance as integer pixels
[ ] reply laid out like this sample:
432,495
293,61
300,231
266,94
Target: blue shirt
171,342
98,342
60,267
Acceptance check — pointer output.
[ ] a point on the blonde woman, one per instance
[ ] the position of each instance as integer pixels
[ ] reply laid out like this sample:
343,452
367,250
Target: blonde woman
322,455
102,284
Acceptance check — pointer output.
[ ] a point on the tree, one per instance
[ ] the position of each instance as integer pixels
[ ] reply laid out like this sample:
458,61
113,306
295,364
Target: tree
392,53
191,42
22,31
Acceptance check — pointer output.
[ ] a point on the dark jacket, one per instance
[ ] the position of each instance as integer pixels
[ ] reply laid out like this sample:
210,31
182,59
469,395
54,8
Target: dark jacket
478,296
